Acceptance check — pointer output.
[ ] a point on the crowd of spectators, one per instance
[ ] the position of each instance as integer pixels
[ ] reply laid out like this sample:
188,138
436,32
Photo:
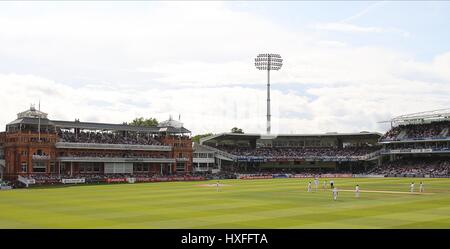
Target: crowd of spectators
120,154
4,183
417,167
274,171
298,152
418,131
107,138
437,145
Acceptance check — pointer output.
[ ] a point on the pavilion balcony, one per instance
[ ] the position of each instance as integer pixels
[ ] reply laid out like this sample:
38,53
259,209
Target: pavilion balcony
116,159
66,145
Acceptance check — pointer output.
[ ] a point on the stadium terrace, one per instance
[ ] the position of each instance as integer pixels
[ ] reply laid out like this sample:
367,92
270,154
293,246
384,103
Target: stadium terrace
37,150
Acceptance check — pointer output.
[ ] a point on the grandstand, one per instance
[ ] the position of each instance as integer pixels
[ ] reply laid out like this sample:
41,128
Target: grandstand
37,150
40,150
319,153
417,144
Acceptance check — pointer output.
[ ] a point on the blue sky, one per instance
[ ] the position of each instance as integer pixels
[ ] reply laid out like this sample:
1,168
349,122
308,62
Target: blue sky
347,64
426,21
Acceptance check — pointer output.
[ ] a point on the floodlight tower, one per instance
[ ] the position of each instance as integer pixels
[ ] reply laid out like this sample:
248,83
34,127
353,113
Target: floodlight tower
268,62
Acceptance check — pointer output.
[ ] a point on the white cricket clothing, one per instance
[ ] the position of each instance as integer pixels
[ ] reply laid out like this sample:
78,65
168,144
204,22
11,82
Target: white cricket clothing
335,193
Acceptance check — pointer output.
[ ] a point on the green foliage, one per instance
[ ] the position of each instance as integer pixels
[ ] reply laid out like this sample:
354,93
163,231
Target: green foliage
237,130
196,138
149,122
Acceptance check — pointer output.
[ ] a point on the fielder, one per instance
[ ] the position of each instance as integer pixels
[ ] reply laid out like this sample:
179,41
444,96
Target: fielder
412,187
218,186
421,187
316,184
309,186
335,193
357,191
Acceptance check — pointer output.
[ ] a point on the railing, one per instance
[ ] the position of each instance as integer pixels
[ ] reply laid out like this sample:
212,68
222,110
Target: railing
411,151
417,139
372,155
40,157
220,152
65,145
116,159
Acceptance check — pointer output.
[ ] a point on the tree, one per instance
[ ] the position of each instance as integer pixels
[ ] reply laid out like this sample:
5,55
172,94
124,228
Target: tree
196,138
237,130
149,122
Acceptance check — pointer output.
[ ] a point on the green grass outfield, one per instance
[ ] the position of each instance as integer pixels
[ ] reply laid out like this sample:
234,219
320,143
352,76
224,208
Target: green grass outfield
273,203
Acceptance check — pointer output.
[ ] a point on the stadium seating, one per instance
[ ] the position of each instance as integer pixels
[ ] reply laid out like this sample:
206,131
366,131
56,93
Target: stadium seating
418,131
283,153
120,154
106,138
414,167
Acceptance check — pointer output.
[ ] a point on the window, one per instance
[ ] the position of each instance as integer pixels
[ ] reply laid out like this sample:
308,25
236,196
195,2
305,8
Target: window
39,167
24,167
52,167
137,167
180,167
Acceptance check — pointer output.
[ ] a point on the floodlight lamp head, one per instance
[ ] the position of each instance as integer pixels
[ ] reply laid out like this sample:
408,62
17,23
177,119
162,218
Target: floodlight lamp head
268,62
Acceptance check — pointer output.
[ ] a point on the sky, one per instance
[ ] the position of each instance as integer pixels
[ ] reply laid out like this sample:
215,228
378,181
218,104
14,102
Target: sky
347,64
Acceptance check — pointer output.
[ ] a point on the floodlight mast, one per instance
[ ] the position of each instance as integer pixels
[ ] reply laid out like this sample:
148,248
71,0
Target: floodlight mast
268,62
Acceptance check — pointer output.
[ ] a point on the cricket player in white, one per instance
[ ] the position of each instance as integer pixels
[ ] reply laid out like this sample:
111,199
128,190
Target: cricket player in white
324,185
357,191
412,187
309,186
316,184
335,193
421,187
218,186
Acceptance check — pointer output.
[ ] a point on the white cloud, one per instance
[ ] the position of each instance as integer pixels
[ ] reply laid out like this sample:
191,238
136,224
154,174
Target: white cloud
353,28
347,27
194,59
365,11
